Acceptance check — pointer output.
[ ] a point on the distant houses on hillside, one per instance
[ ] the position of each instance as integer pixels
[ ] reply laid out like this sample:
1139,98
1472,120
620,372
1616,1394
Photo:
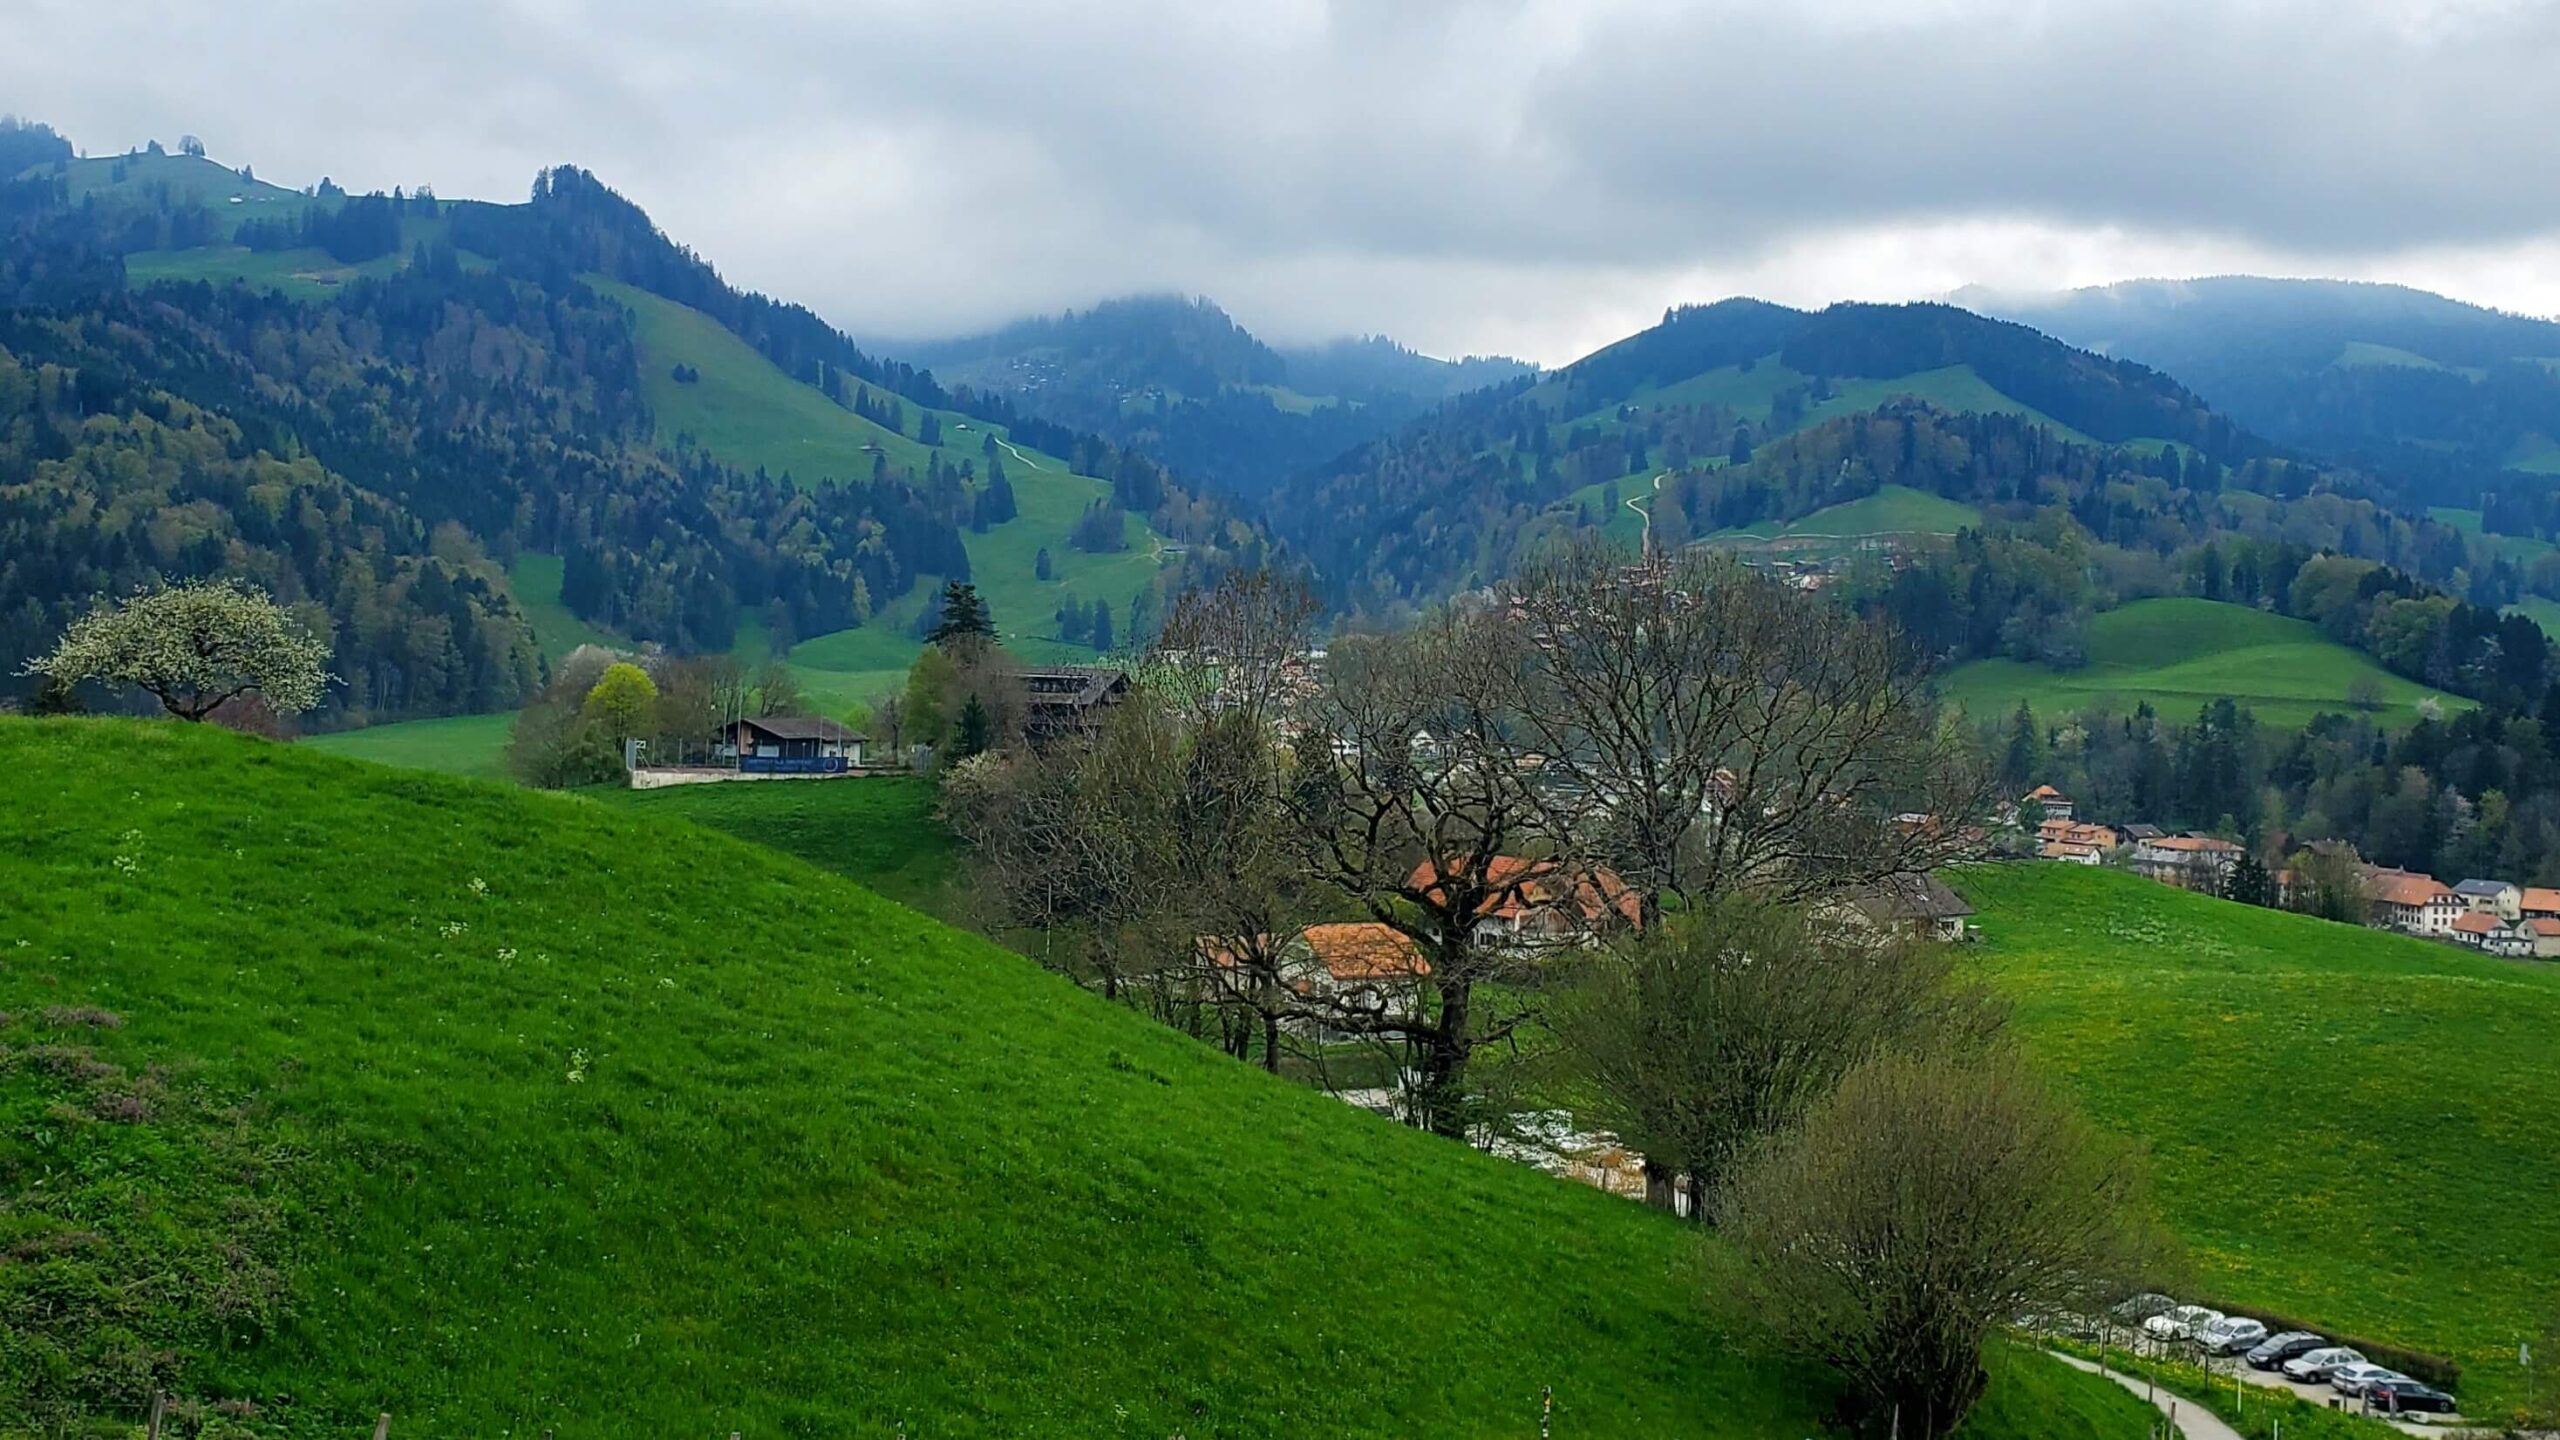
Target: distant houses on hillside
2495,916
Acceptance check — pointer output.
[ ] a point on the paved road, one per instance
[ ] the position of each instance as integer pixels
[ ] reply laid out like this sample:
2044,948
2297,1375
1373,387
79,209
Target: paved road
2194,1421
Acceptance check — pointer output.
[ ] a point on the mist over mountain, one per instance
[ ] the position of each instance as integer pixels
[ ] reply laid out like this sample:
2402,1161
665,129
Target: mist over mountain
2458,397
1177,378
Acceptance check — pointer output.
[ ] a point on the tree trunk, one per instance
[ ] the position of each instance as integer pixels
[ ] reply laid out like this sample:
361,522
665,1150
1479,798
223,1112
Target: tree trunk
1271,1042
1659,1183
1441,1097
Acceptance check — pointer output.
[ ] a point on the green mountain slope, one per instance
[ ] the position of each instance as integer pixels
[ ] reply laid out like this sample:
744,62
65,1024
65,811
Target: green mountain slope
356,1091
2179,653
747,413
1179,379
2344,1125
1447,501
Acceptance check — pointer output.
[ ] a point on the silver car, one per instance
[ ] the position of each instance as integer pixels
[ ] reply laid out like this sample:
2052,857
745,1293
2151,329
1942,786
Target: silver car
2181,1323
2230,1335
2316,1366
2350,1380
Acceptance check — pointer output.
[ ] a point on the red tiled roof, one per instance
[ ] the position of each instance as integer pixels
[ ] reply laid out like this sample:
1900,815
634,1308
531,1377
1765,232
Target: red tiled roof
2046,792
1515,886
2545,926
2477,922
2402,887
2199,843
2538,899
1365,950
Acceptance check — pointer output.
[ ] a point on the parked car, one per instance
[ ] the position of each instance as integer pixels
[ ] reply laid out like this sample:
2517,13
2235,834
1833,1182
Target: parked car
2350,1380
2314,1367
2142,1307
2230,1335
2180,1323
2272,1352
2393,1396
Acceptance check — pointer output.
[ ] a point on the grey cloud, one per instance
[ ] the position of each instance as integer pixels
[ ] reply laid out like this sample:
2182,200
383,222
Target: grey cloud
1466,172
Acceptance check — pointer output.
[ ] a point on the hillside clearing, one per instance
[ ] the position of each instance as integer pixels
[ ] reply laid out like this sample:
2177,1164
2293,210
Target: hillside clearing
2344,1124
593,1122
2178,654
748,414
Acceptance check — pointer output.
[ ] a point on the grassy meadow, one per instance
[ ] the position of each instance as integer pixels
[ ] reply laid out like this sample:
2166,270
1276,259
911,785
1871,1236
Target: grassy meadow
878,830
359,1091
472,745
2351,1127
2179,654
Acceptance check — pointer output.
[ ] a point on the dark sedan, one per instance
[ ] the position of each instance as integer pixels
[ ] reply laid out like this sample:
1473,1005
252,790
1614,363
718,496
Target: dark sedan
2396,1397
2272,1352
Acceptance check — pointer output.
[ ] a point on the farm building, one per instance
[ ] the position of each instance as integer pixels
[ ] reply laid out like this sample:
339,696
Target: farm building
1064,699
2190,862
791,742
1919,907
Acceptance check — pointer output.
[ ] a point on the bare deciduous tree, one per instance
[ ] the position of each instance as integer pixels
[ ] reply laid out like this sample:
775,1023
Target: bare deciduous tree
1925,1202
1412,779
1696,1037
1705,729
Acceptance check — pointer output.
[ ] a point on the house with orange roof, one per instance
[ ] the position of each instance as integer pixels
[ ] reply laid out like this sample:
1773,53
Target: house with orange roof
2056,805
2412,903
2539,901
1524,903
2190,862
1357,966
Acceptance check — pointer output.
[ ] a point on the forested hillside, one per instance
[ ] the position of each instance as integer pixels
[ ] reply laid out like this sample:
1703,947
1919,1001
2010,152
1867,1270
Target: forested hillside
462,383
1450,499
1180,380
2456,400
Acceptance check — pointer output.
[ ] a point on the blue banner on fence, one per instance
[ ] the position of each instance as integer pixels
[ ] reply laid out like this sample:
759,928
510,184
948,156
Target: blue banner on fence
800,765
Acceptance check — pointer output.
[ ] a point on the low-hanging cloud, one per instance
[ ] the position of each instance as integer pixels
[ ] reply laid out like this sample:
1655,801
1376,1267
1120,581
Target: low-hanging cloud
1527,175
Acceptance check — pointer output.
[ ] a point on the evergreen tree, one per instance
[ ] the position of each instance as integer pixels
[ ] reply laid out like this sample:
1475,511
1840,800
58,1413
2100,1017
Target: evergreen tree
2025,755
1102,636
965,619
1040,567
973,731
2250,884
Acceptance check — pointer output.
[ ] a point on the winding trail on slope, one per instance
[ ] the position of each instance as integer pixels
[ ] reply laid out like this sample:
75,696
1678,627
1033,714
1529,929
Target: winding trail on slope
1027,462
1635,503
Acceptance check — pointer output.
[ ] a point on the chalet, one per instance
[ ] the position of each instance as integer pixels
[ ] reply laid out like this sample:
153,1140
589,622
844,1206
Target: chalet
1536,903
2492,897
2138,832
1919,907
2412,903
2074,842
2190,862
784,744
2538,902
1068,699
1360,968
2056,805
2477,928
2537,936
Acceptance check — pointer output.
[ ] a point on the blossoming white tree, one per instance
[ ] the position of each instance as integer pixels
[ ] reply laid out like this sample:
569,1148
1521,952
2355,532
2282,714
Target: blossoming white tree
194,646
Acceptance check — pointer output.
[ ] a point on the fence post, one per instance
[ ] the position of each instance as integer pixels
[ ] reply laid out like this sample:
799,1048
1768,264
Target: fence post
159,1409
382,1426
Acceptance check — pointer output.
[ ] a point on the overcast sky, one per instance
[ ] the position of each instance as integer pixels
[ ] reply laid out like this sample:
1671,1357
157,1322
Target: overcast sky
1534,178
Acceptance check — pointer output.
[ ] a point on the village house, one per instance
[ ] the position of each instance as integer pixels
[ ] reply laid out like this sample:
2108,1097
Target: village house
1918,907
2492,897
2056,805
788,744
2190,862
2538,902
1068,699
2412,903
1531,904
2476,928
1358,967
2074,842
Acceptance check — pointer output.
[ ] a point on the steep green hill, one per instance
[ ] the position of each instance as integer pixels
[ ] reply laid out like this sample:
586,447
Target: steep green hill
344,1090
746,412
2178,653
2345,1125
